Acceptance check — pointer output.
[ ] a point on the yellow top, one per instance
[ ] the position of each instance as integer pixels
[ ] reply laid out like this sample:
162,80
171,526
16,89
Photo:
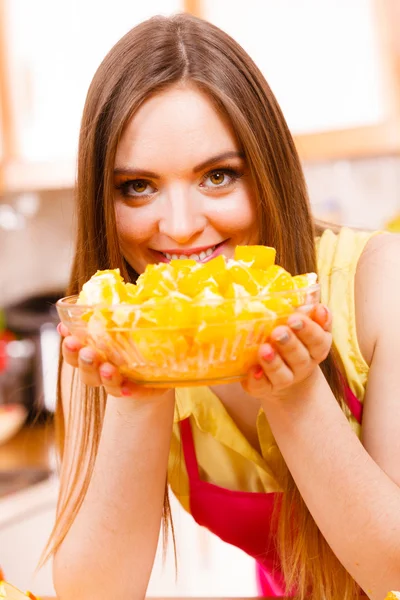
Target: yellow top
224,455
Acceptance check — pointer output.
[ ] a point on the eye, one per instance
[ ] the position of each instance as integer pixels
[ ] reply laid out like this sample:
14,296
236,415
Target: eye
136,188
220,178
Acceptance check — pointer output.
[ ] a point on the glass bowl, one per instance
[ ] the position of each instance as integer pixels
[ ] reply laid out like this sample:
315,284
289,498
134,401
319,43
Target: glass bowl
201,343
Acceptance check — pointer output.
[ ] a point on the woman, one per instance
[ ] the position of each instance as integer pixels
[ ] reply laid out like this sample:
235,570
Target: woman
183,148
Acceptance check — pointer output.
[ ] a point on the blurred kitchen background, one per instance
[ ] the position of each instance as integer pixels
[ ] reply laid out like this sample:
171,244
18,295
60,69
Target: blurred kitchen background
334,66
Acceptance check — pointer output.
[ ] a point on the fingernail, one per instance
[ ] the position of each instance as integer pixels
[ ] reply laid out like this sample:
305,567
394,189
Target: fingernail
86,356
106,373
268,354
296,324
282,338
72,346
324,312
125,391
258,372
59,329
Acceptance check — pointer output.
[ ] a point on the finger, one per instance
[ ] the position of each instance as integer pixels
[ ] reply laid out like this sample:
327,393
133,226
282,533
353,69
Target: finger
256,382
323,316
292,350
89,362
316,340
111,379
274,367
140,392
117,385
62,330
70,350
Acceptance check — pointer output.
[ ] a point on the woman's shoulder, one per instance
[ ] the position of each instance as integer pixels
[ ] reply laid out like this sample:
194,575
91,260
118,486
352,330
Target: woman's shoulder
379,250
377,289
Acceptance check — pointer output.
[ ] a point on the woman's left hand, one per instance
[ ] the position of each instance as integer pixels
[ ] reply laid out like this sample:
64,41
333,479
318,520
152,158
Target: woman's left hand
293,354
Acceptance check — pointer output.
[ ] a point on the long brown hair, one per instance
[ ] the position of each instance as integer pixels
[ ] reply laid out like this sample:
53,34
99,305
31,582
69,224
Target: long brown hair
154,55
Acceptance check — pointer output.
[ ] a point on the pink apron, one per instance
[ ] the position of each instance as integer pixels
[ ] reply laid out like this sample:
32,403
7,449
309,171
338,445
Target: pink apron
243,519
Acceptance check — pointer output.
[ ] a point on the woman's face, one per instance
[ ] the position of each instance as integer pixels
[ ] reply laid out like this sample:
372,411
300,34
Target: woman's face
183,188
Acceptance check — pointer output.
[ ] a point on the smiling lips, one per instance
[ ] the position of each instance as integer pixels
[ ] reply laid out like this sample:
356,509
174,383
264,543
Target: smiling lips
191,253
194,256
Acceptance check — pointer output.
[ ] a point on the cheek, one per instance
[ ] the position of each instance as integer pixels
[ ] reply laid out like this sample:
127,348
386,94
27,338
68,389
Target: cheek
134,225
237,214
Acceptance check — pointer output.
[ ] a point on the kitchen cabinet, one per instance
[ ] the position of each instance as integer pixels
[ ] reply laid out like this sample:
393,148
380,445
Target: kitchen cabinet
50,51
332,64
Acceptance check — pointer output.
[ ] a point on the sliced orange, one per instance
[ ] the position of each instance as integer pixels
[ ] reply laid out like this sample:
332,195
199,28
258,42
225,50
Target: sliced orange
182,267
176,311
242,275
208,307
235,290
259,257
262,278
279,280
216,268
302,281
155,347
157,280
195,281
131,293
183,263
104,287
250,309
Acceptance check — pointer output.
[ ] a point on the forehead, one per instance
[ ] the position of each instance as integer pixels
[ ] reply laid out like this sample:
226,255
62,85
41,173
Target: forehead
174,130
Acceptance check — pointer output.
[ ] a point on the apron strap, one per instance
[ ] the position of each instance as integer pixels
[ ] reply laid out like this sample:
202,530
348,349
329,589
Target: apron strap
189,450
355,406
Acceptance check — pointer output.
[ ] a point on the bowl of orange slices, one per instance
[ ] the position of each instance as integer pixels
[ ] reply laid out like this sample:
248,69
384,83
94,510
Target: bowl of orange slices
188,323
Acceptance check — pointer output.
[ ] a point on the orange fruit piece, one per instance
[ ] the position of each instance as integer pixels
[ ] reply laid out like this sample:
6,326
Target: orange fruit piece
278,279
215,333
208,307
300,283
183,263
252,308
104,287
157,280
182,267
280,307
195,281
262,278
156,346
132,293
259,257
217,269
215,322
242,275
212,274
175,310
303,281
235,290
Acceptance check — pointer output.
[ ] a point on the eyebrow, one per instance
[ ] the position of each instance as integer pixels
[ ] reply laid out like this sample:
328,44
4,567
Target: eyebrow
207,163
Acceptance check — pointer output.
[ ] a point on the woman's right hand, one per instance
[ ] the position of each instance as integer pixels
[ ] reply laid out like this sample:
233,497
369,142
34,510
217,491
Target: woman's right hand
94,372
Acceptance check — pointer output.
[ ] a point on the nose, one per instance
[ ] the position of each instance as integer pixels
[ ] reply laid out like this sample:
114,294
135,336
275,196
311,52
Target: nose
182,218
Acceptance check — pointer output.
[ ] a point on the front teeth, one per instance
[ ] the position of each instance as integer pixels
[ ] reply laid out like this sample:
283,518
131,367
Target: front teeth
198,257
